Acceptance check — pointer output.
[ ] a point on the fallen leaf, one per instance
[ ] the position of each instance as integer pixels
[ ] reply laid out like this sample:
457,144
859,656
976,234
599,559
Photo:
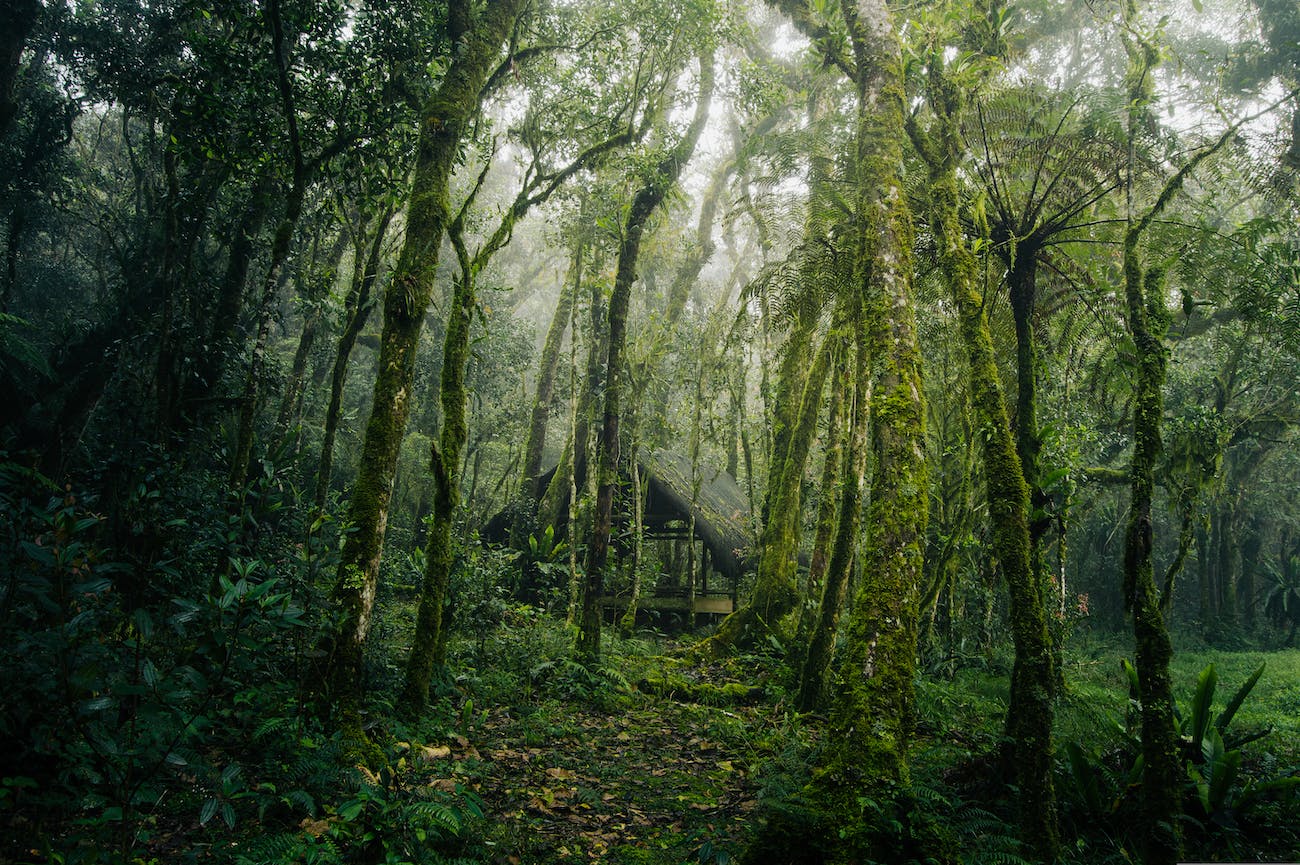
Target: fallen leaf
314,828
430,753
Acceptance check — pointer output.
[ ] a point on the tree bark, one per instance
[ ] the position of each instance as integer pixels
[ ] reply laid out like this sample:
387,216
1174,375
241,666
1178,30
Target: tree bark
842,516
280,244
872,715
312,287
356,311
647,199
547,365
446,117
775,593
430,644
1033,679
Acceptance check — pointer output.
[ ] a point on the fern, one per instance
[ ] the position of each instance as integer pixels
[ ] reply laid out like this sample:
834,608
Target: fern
436,815
290,847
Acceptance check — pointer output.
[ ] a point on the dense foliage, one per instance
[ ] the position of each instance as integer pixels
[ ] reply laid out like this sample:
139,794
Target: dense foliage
820,431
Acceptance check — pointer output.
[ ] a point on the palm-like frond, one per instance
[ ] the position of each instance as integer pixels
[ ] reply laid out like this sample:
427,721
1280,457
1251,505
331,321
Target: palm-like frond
1044,162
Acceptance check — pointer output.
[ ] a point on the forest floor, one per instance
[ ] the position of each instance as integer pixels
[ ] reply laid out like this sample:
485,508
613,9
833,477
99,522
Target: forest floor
656,777
661,781
644,778
653,760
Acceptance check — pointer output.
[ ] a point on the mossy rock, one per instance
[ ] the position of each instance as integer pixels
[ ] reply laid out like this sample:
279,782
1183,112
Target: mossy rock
707,693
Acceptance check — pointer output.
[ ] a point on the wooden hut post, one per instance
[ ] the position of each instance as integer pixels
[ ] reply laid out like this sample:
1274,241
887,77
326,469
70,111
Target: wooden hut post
704,569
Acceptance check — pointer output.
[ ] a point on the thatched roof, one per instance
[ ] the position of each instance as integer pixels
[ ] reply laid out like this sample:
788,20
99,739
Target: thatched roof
720,507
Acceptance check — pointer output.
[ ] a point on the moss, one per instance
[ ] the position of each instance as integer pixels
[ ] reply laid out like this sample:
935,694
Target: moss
680,688
1029,718
405,304
871,719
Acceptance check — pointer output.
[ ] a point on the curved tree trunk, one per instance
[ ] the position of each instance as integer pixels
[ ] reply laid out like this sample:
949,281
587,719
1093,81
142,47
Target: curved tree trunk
430,642
446,117
1148,319
1162,773
775,593
356,311
279,252
549,362
644,203
843,517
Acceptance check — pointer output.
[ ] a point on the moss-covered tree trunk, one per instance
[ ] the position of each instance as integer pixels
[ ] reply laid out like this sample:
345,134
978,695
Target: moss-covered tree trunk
660,180
535,443
775,592
428,648
356,311
872,714
1033,680
1162,772
845,500
1022,283
1160,838
793,410
828,490
478,36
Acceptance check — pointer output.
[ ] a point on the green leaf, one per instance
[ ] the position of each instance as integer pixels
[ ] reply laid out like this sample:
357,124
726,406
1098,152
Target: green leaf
37,553
1201,701
208,811
1230,711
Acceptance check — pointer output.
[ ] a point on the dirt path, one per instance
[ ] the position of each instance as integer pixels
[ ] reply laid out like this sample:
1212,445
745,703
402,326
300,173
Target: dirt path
662,782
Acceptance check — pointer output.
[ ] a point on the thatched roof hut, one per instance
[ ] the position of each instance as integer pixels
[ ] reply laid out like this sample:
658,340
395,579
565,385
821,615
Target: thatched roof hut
719,505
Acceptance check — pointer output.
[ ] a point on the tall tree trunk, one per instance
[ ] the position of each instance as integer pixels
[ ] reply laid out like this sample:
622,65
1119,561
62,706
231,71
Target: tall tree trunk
356,311
647,199
549,362
446,117
872,716
1251,546
1148,319
1162,773
312,287
844,516
284,232
1204,575
1023,288
230,291
775,593
574,460
1033,679
429,646
1225,569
